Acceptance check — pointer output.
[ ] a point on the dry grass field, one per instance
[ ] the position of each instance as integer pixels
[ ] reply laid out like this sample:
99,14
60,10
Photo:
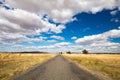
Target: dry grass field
12,64
107,64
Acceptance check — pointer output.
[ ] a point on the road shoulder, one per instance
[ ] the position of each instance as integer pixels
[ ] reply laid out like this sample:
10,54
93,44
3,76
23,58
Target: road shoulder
93,72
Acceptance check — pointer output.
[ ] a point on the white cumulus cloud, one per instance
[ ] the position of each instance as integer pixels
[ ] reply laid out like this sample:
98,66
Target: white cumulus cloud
99,37
63,10
57,37
74,37
113,12
100,42
23,23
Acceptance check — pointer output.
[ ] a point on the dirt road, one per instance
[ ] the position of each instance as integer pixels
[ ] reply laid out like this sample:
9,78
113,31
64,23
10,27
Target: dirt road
57,68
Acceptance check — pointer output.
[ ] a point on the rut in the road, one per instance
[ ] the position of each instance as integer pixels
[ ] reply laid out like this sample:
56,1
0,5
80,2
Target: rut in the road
57,68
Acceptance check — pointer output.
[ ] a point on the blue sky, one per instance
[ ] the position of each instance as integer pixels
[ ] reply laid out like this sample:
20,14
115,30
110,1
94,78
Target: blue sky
55,26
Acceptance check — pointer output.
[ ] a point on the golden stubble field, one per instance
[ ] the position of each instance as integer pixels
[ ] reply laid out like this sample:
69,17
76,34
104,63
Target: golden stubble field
13,64
107,64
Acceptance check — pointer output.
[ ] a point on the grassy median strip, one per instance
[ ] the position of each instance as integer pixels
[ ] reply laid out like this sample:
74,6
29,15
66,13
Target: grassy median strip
107,64
13,64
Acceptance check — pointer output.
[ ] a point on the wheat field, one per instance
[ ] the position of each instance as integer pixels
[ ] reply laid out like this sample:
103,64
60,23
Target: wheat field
107,64
13,64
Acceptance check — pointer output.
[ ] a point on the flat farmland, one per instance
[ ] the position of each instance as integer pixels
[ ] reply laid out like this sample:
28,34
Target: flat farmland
65,66
13,64
107,64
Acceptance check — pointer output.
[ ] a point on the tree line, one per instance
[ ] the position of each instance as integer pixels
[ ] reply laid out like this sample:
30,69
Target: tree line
83,51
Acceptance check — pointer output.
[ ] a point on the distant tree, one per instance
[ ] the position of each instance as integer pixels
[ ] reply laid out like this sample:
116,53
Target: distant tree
60,52
85,51
69,52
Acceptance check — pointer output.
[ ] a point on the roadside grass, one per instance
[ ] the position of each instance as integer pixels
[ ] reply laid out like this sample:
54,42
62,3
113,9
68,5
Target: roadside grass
13,64
107,64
